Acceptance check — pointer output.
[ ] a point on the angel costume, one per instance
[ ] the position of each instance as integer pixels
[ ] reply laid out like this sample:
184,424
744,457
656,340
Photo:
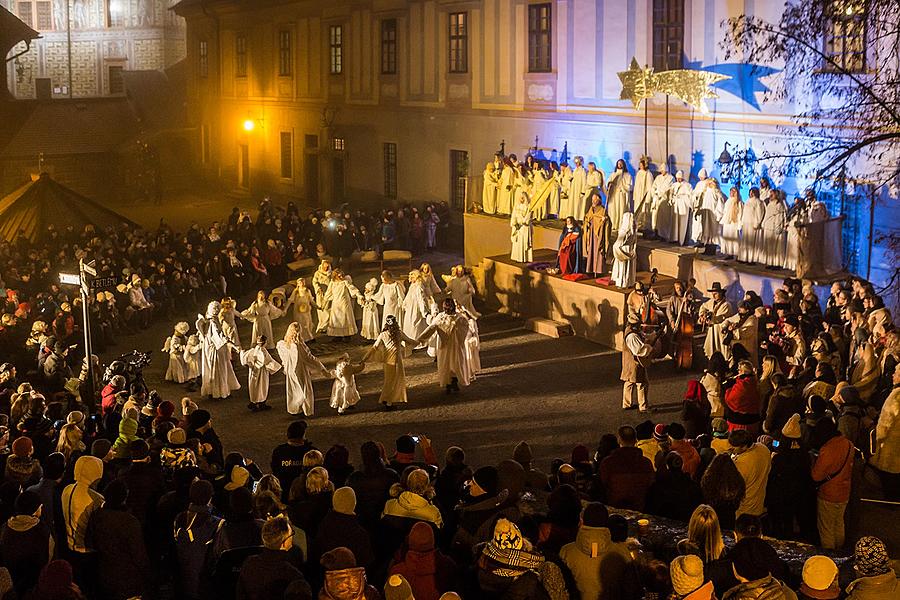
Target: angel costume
302,301
489,192
343,391
573,205
297,361
390,296
682,198
228,317
262,313
661,209
321,279
452,363
774,225
217,374
371,322
392,349
415,310
751,230
731,222
520,224
473,348
642,197
618,203
624,252
259,364
174,346
339,301
191,358
462,291
507,190
711,206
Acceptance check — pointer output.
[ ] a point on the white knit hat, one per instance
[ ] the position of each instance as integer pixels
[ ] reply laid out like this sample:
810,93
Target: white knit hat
686,573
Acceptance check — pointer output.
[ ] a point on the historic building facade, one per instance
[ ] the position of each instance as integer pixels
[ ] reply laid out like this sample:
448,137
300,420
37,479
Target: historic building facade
107,38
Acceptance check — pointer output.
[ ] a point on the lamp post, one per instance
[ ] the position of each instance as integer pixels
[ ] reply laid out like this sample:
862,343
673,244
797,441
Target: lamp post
86,271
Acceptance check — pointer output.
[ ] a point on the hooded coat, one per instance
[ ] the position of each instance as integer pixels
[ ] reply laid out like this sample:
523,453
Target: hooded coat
79,501
429,572
601,568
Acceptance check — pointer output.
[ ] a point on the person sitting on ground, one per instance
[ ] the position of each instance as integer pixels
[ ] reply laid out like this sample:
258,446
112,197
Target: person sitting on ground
428,571
414,501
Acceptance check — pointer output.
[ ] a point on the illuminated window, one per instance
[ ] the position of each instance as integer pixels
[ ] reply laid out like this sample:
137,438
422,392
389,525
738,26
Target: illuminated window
336,49
240,56
389,47
668,34
459,42
35,13
390,170
285,53
539,38
287,155
845,38
337,144
203,58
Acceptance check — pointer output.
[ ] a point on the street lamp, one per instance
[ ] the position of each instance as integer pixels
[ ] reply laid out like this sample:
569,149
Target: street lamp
83,279
249,125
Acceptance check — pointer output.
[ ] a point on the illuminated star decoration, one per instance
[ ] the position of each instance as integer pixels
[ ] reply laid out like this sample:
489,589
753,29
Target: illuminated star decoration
692,87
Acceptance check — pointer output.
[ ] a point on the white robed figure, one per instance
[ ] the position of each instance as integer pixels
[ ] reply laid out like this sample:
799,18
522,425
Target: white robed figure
301,300
260,365
415,306
192,355
432,289
539,195
473,343
261,313
489,192
390,295
174,347
711,206
217,374
460,288
774,230
339,300
371,321
682,202
228,316
752,228
661,209
298,361
713,314
624,253
507,190
796,221
594,181
451,328
695,226
321,280
732,222
619,195
520,236
642,196
573,204
392,348
344,393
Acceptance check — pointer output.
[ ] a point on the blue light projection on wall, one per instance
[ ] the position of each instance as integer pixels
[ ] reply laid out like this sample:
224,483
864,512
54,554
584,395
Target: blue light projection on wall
745,82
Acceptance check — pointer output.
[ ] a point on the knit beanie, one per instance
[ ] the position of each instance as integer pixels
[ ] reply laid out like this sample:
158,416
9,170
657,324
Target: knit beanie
870,557
522,453
100,448
405,444
56,580
344,501
791,429
338,559
397,588
487,479
661,432
165,410
677,431
201,492
687,574
128,427
719,428
199,418
421,537
22,447
820,574
644,430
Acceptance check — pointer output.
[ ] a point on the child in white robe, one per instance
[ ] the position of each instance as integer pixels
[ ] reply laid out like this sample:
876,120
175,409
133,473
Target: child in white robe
192,360
174,345
473,343
302,301
259,364
371,321
344,394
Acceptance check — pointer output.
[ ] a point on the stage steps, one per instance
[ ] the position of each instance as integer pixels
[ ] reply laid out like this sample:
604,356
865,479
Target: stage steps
549,327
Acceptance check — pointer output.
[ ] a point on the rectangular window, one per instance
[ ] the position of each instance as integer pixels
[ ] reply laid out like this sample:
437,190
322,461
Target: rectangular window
26,12
539,38
203,58
116,15
116,83
240,56
285,53
390,170
337,144
668,34
459,42
287,155
389,47
459,175
336,49
44,12
845,42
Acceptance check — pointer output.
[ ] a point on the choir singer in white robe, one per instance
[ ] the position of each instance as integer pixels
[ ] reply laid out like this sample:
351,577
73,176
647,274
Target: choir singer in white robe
520,224
593,181
712,203
489,192
642,196
260,365
661,208
774,230
340,300
682,201
297,361
731,222
573,205
217,375
507,190
752,228
618,201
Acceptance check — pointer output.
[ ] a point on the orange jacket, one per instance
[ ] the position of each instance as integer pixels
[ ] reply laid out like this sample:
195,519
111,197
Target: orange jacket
835,461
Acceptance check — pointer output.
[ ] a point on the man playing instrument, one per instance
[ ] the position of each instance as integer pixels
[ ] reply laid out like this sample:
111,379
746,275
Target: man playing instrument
743,329
713,314
636,355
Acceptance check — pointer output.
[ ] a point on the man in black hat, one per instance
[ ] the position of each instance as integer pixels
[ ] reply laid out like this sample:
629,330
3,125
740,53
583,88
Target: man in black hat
713,315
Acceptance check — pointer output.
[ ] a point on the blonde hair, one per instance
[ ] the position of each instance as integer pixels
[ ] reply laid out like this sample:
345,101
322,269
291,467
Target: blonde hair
704,531
292,334
419,483
69,440
268,483
769,367
425,268
415,275
313,458
317,481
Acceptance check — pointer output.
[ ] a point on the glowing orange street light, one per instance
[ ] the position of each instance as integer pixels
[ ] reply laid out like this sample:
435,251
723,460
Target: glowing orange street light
249,125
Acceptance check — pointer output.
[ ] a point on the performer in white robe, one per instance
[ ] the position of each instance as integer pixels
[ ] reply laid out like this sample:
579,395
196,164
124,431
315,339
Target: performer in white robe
752,228
682,202
695,224
460,288
661,209
539,195
507,190
796,220
297,361
371,321
564,177
321,280
174,347
192,354
228,316
624,253
340,301
520,236
415,307
731,222
451,328
572,205
260,365
261,313
619,194
432,289
744,328
217,374
555,190
489,192
390,295
713,314
774,230
344,393
301,300
712,203
473,343
392,348
594,180
642,197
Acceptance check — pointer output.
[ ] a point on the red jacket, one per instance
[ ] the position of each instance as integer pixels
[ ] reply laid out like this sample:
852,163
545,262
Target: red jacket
742,404
626,474
835,461
690,458
429,572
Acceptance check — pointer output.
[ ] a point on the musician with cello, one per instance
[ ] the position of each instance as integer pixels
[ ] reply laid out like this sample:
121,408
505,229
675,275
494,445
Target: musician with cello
713,315
682,314
636,357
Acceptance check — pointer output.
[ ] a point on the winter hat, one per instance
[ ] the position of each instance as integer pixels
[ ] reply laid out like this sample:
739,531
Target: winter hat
687,574
791,429
522,453
487,479
128,427
165,410
338,559
752,558
719,428
76,417
870,557
27,503
450,596
580,454
406,444
661,432
507,536
56,580
344,501
188,406
177,437
100,448
644,430
850,396
239,478
397,588
22,447
421,537
677,431
820,574
199,418
595,515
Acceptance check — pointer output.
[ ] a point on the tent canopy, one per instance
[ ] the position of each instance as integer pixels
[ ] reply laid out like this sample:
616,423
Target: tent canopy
43,202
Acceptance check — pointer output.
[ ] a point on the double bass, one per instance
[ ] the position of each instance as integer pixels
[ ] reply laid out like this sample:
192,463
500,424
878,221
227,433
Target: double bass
654,320
683,342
